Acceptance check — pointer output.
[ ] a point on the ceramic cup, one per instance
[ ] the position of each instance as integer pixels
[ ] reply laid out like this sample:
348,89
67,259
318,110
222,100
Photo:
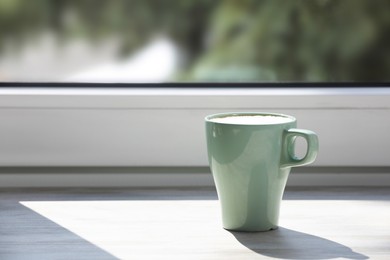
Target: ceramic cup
250,156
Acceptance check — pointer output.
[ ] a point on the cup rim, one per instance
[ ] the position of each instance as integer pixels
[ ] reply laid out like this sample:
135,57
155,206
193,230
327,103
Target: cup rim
209,118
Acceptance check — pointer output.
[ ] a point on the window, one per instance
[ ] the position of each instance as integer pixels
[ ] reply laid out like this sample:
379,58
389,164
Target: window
324,61
194,41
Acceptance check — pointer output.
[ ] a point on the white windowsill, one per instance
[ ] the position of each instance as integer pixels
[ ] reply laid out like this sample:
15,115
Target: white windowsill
291,97
163,127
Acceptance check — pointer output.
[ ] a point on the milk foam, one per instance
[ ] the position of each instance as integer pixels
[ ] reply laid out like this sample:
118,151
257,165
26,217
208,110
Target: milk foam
252,120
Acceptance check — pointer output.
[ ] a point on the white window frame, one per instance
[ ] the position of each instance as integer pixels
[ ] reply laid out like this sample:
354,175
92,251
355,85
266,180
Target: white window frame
163,127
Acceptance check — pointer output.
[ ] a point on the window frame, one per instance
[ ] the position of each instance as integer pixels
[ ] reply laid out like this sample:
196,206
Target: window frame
52,103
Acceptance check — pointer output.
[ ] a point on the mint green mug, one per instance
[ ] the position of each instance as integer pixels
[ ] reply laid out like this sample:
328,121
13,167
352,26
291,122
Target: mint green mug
250,156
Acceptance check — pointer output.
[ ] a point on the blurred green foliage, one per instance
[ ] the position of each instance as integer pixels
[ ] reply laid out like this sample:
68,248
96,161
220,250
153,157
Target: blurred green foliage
302,40
229,40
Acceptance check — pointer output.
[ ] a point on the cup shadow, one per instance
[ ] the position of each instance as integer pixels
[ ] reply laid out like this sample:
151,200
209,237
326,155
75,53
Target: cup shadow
289,244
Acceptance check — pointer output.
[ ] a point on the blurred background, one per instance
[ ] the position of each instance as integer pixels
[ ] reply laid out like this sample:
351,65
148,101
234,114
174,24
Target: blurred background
194,41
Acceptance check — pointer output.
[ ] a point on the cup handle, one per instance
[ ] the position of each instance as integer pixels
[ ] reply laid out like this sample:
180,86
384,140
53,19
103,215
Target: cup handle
288,155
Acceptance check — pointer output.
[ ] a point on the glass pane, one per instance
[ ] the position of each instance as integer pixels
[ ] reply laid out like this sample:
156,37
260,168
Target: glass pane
194,41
